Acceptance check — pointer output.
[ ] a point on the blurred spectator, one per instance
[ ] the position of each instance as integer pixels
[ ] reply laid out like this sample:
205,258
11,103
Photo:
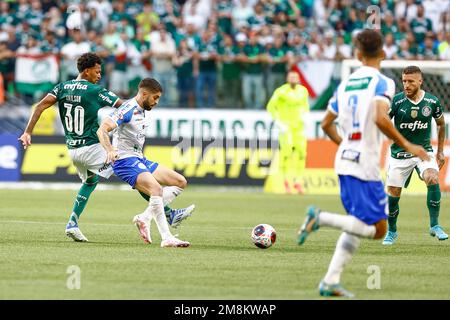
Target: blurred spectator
231,71
119,79
241,13
138,56
197,13
224,10
389,46
147,20
70,53
444,48
163,50
183,62
103,8
428,51
94,23
253,87
278,61
206,72
406,9
420,25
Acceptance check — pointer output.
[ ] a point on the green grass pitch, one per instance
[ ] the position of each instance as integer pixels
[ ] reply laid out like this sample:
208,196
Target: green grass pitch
222,263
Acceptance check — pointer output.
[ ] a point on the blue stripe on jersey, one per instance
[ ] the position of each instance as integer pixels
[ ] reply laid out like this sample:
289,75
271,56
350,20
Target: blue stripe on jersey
123,114
333,104
381,88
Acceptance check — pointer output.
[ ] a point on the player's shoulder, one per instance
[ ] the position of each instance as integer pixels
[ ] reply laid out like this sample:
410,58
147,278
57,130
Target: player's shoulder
399,98
430,98
128,106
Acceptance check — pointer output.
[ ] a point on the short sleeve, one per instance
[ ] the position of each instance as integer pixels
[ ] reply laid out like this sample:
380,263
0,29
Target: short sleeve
437,110
393,108
106,98
385,88
123,114
55,91
333,103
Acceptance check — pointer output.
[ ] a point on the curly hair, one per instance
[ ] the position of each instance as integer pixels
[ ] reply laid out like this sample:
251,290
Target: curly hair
88,60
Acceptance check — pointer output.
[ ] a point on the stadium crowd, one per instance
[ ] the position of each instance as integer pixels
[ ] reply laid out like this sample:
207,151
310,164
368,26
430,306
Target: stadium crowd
208,53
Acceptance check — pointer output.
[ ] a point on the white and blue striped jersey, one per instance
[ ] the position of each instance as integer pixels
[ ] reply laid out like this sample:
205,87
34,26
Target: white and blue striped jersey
129,136
359,152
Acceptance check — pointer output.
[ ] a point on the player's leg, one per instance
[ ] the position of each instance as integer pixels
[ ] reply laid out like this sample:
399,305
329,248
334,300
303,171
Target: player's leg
394,194
364,201
174,184
345,248
299,158
167,209
398,173
431,178
286,146
147,184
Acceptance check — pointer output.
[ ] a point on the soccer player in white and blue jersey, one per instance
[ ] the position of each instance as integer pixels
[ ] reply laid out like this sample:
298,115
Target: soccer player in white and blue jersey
361,105
131,166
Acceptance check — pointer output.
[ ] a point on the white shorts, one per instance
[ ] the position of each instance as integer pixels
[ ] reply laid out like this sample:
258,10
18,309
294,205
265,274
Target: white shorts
92,158
399,170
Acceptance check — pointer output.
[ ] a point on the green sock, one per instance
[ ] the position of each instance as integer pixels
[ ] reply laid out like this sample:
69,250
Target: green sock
82,198
434,203
394,210
167,209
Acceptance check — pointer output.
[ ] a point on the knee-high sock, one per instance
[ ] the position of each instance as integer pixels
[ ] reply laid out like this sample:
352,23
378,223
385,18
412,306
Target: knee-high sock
394,210
348,224
167,209
82,198
345,247
157,210
434,203
170,193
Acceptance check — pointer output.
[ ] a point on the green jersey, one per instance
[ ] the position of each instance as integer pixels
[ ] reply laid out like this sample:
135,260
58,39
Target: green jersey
413,120
78,104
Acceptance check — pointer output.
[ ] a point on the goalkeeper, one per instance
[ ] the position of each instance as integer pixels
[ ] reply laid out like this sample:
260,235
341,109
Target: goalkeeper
288,107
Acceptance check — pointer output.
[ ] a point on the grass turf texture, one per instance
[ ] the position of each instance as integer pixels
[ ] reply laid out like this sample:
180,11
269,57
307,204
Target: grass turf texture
222,262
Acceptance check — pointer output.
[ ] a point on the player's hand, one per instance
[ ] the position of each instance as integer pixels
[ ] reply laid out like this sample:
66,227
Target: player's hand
25,138
418,151
112,156
440,158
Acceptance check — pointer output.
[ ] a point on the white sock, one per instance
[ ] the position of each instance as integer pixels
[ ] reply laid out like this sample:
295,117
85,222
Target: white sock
347,223
146,215
170,193
157,210
345,247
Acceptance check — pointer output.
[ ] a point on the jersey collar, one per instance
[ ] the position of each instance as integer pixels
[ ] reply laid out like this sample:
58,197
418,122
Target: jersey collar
420,100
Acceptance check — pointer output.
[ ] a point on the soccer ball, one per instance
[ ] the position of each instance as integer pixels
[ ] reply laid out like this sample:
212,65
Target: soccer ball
264,236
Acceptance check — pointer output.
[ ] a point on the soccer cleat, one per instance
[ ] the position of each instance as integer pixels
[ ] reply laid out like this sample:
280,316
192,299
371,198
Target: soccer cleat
72,231
333,290
438,232
178,215
310,224
143,228
390,238
174,243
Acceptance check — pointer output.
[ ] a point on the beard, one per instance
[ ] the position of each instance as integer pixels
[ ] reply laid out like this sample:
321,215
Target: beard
413,93
147,106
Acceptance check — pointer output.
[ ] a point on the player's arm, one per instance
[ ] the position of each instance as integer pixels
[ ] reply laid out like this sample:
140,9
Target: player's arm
45,103
329,127
384,123
103,131
440,123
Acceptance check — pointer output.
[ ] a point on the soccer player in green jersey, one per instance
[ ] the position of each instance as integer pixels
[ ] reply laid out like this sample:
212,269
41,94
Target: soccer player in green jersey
413,111
79,101
288,107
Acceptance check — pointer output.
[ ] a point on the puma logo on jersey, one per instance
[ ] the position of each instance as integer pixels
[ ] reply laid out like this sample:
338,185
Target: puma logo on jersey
403,110
414,125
